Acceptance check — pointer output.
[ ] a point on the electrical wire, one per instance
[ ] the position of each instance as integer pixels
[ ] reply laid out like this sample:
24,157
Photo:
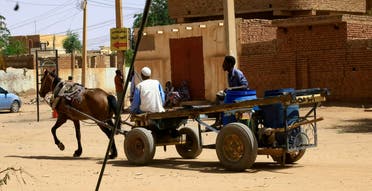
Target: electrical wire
44,15
61,13
35,4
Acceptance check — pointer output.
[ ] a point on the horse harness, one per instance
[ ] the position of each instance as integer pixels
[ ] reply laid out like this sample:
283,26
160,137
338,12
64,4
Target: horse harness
71,91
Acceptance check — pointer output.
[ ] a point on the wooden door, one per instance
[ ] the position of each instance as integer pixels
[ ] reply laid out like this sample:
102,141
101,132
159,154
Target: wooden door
187,64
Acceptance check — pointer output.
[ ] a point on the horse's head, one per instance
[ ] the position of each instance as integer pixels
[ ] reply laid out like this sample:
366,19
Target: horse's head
47,83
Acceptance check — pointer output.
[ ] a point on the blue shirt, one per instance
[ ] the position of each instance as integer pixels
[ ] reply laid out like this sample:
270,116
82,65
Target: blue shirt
236,78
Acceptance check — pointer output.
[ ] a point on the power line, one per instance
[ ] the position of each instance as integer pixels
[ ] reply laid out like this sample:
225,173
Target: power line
62,20
33,3
41,16
62,12
50,13
105,4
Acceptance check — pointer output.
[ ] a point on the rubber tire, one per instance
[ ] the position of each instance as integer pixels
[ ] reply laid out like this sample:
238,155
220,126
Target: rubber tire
192,148
14,108
139,146
231,135
291,157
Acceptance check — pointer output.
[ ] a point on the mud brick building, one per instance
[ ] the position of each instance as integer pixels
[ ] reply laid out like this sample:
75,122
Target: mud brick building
280,44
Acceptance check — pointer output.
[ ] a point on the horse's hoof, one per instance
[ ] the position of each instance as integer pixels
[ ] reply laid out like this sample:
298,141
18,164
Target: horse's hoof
77,153
61,146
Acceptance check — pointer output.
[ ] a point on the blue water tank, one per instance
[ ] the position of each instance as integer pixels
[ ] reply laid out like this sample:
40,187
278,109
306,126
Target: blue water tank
273,114
233,96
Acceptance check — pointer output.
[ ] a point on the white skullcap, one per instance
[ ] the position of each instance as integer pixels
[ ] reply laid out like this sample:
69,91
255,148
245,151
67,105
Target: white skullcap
146,71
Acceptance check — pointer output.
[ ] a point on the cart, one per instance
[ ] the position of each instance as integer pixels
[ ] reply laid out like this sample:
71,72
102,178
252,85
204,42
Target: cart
269,126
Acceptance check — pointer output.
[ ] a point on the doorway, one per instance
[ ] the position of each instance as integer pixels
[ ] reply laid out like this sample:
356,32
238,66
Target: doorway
187,64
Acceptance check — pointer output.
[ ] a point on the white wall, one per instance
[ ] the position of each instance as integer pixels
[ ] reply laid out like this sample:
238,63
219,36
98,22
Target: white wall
24,80
17,80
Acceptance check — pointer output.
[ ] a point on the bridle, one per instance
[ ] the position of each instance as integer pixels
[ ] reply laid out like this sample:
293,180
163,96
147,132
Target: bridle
52,79
48,75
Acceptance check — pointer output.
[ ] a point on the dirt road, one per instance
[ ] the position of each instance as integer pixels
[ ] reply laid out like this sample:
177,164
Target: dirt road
342,160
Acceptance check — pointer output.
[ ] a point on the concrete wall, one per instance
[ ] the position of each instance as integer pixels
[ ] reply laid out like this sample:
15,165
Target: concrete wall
24,80
18,80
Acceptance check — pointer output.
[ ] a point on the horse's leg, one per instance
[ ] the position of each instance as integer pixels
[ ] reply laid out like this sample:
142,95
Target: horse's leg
114,152
60,121
108,133
78,152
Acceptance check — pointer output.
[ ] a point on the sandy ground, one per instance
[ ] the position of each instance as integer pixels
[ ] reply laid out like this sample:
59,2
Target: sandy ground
342,160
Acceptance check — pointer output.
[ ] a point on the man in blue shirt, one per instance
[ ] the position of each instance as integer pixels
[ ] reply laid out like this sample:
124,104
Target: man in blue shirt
235,77
236,81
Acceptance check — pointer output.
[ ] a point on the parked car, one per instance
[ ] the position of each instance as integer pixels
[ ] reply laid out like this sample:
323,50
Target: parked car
9,101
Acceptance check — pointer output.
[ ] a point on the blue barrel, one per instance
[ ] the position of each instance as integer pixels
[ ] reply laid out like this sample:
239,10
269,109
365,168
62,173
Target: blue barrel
241,95
234,97
273,114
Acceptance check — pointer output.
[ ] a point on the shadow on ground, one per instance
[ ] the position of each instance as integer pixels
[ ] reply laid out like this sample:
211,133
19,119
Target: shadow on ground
205,166
176,163
363,125
52,157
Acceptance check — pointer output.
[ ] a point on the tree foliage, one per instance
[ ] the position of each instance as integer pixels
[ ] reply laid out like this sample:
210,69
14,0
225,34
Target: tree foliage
15,47
4,34
72,43
128,56
9,46
158,15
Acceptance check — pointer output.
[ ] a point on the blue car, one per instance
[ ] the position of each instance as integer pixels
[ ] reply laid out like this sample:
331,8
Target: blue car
9,101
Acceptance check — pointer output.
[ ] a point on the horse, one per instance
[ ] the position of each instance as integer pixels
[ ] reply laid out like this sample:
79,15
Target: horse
94,102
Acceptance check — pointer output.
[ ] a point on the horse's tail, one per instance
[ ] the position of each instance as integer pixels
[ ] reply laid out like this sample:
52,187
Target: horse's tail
114,107
113,104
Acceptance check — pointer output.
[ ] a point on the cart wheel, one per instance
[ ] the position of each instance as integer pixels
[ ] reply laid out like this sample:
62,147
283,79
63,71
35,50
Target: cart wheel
192,148
236,147
139,146
290,157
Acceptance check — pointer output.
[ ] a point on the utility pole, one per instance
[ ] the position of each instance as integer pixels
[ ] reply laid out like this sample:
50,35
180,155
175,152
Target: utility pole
119,24
84,53
229,23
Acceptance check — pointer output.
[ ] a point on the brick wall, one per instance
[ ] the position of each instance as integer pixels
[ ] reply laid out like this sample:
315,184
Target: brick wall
335,56
256,30
19,61
358,71
31,41
359,31
268,71
64,61
97,61
207,8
